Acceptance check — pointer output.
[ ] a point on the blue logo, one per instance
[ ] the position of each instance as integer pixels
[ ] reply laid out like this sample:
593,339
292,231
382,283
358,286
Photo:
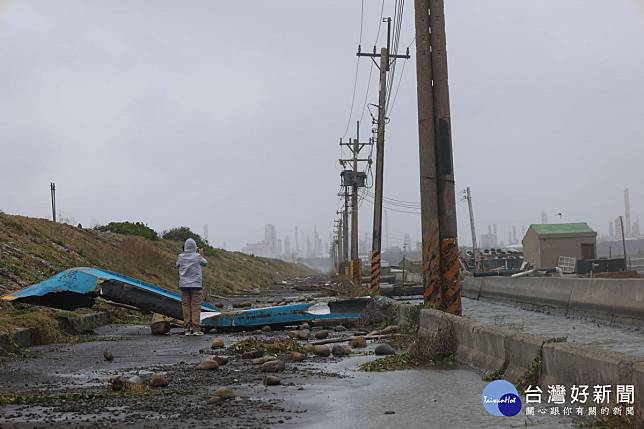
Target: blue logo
500,398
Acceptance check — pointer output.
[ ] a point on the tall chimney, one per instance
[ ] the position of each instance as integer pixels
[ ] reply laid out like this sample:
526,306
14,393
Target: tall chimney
627,214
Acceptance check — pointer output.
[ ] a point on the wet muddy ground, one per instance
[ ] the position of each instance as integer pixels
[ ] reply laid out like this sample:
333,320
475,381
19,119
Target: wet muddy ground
66,385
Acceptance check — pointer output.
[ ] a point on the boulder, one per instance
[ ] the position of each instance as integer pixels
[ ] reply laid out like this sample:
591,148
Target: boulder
359,343
341,350
303,334
161,327
322,350
225,392
273,366
217,343
320,335
292,334
221,360
208,365
308,348
263,360
271,380
339,328
297,356
384,349
266,328
108,356
252,354
305,325
158,380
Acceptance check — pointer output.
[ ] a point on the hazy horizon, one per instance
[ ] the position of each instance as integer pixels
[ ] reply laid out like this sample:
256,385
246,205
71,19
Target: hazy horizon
229,114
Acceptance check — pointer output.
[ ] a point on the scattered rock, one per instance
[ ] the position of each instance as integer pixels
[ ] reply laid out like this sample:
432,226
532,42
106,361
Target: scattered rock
322,350
359,343
158,380
221,360
390,329
273,366
160,328
246,304
118,384
341,350
320,335
339,328
222,394
266,328
271,380
217,343
252,354
208,365
108,356
292,334
263,360
303,334
297,356
384,349
372,333
225,392
308,348
305,325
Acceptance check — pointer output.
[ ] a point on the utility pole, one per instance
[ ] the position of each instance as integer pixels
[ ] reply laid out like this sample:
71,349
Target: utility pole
385,56
345,228
52,187
356,180
475,249
438,199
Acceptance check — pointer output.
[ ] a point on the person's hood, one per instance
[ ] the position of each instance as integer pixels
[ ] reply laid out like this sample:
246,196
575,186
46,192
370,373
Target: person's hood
190,246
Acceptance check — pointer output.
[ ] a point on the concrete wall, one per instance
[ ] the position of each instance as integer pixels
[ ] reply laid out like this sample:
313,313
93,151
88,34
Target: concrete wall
620,300
492,349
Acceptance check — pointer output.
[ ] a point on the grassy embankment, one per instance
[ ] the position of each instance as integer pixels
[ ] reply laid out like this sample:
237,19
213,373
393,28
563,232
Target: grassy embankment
32,250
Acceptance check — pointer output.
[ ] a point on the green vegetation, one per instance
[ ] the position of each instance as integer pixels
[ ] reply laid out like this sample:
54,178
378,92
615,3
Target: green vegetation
44,324
391,363
29,399
130,228
531,376
182,233
556,340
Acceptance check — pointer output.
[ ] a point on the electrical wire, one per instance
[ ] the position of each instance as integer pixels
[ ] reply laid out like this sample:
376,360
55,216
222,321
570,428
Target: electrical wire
355,79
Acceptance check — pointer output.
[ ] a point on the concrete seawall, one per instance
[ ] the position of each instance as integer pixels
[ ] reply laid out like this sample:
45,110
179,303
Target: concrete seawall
615,300
518,356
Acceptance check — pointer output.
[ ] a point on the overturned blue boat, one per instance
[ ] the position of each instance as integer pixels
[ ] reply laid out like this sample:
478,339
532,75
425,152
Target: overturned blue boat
79,288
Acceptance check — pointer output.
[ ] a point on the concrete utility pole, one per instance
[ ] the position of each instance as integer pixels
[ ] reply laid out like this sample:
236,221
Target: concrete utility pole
435,144
52,187
356,181
621,222
385,56
345,228
475,248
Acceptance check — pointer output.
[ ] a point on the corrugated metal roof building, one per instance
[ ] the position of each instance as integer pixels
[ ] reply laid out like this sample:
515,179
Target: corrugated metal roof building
543,244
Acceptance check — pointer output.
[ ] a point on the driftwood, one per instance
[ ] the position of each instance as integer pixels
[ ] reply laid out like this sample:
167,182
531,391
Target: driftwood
343,339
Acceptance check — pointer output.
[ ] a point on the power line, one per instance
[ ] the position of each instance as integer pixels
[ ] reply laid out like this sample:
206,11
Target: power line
355,79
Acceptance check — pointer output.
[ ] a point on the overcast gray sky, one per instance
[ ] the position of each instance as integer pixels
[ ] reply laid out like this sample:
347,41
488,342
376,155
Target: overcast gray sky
229,113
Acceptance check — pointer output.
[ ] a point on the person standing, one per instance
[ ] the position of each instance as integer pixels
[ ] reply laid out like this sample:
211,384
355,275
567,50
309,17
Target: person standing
189,263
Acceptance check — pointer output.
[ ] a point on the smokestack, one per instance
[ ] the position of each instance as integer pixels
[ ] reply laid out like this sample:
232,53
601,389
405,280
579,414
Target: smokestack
627,214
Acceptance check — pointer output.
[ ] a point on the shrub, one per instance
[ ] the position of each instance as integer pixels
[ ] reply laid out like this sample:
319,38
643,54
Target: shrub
131,228
182,233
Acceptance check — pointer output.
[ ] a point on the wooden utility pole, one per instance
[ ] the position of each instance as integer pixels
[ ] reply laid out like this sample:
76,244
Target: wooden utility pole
376,244
52,187
475,249
438,199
